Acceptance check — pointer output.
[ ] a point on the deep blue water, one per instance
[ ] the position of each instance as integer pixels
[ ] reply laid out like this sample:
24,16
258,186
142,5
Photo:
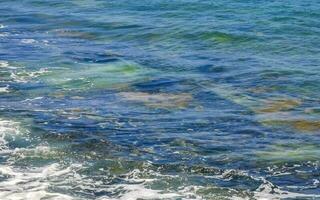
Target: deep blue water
159,99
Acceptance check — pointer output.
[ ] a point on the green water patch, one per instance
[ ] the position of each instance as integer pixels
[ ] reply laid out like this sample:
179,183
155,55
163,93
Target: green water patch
280,73
146,37
83,77
87,3
224,38
79,34
289,153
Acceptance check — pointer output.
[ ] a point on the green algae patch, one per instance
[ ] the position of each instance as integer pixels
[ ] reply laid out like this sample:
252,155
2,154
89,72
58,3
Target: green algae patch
279,105
290,153
158,100
96,76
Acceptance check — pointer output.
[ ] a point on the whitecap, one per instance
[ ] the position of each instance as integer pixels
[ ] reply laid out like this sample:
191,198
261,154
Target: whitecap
136,187
4,89
26,76
32,184
4,63
8,130
25,183
32,99
267,191
28,41
134,192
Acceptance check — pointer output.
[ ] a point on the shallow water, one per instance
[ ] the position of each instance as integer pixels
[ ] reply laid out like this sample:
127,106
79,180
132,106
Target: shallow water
159,99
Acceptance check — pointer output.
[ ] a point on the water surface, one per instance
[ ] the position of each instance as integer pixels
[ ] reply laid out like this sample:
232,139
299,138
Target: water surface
159,99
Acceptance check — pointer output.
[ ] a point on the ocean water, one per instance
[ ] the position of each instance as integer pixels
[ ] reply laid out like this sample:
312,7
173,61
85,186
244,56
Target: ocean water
181,99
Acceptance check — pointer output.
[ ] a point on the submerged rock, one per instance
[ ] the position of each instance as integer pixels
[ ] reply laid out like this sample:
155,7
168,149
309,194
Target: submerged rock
76,34
159,100
279,105
271,112
302,125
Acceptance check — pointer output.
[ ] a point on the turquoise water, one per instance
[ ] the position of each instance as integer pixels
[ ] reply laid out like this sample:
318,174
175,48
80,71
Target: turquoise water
159,99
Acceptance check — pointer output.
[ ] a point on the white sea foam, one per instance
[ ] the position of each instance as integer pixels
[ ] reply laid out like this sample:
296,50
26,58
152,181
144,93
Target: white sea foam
26,76
136,187
4,89
21,183
2,26
8,130
139,191
267,191
4,63
30,184
28,41
35,182
33,99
